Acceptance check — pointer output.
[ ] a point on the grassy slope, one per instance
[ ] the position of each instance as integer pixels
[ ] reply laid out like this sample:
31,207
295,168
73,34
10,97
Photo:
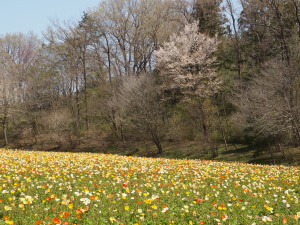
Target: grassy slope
192,150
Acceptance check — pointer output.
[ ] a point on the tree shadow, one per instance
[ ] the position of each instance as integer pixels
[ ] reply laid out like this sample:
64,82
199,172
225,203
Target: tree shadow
242,150
264,161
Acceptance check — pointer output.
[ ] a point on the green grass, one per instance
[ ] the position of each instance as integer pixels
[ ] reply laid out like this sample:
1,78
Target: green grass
193,150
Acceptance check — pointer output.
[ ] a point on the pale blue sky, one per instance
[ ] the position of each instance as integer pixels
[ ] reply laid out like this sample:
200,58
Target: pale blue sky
34,15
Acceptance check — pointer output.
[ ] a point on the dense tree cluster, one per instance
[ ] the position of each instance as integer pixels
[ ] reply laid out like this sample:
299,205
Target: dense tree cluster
215,72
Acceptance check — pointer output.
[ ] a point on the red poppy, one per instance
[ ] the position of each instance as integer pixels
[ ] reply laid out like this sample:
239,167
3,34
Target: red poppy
66,214
198,200
56,221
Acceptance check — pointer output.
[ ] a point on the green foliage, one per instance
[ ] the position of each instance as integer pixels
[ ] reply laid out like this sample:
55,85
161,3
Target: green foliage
211,17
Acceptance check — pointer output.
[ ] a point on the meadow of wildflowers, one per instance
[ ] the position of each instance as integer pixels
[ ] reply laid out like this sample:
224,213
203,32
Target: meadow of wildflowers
84,188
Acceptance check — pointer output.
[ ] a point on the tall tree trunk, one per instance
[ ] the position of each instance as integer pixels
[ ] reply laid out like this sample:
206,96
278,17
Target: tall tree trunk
109,60
78,106
223,132
5,132
153,133
122,134
5,120
296,6
205,130
236,38
87,124
281,150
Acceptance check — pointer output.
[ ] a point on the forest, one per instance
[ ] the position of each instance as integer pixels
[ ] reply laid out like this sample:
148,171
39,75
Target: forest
150,77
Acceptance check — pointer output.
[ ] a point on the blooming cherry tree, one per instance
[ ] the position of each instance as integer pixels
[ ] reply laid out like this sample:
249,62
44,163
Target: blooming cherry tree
187,64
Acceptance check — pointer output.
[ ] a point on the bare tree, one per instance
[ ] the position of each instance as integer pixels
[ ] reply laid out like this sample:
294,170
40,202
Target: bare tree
132,31
18,53
5,100
140,97
72,46
267,104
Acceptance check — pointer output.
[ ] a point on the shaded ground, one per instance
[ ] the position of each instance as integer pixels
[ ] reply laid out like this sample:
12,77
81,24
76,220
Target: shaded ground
193,150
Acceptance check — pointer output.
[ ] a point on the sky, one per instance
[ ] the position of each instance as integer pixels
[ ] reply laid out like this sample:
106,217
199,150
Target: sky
35,15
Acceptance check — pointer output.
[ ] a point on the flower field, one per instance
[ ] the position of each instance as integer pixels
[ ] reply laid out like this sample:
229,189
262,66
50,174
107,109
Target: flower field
85,188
